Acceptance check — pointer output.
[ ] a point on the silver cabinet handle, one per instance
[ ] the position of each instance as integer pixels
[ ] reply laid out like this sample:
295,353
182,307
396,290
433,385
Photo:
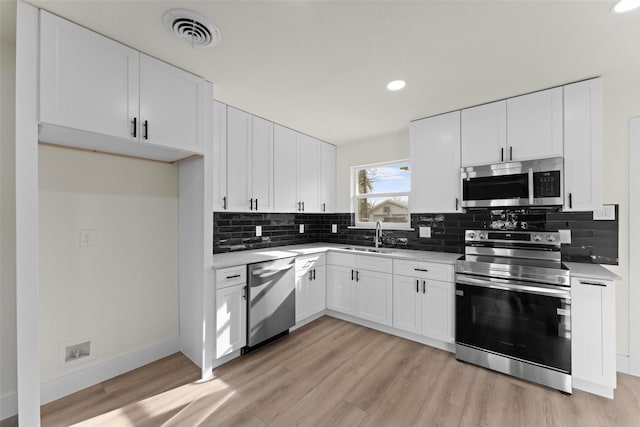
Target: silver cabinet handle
302,206
570,201
233,277
502,154
511,152
424,286
357,275
224,203
351,274
417,286
135,127
256,204
457,202
250,204
421,269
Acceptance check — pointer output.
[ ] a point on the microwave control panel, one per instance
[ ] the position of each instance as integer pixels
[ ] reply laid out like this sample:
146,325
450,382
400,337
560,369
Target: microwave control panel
546,184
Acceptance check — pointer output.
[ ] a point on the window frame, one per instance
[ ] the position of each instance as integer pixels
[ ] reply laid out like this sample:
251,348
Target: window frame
355,197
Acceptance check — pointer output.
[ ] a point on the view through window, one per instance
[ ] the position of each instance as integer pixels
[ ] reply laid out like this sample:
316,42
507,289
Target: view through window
382,194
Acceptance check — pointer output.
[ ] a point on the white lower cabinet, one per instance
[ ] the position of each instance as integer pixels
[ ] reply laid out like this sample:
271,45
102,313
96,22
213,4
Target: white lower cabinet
310,286
231,309
340,289
373,296
231,319
593,343
423,305
362,293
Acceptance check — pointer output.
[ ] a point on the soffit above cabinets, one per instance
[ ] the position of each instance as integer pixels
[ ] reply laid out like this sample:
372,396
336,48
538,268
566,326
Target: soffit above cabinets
321,67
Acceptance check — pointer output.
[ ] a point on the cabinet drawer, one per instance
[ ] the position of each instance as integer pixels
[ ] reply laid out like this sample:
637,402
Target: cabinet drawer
230,276
374,263
345,260
309,261
423,270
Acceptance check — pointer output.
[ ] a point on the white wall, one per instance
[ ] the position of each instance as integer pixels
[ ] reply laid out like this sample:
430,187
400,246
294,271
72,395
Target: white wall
382,149
621,101
7,221
122,292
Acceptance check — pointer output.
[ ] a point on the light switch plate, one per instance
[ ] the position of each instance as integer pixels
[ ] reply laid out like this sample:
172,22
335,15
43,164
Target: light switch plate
334,228
301,228
565,236
608,212
425,232
258,230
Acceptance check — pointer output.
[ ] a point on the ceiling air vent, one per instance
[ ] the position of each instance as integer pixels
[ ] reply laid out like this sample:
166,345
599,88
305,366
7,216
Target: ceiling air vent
192,27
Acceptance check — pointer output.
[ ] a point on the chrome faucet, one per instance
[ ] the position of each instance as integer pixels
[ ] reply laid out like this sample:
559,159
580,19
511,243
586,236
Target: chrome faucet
378,237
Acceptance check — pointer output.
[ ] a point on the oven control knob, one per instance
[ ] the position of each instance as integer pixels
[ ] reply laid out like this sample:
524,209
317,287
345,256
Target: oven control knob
551,237
483,235
537,237
472,235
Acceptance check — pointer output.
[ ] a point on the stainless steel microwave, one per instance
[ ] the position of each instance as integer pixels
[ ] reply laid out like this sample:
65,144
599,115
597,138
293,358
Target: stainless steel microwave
527,183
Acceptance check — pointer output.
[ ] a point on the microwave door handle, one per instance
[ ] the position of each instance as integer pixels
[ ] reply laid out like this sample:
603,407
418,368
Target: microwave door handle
530,186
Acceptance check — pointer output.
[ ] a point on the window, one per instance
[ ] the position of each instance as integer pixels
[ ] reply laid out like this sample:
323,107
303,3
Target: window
381,193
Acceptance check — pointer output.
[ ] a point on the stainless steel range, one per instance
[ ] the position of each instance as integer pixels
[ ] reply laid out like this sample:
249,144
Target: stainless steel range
513,306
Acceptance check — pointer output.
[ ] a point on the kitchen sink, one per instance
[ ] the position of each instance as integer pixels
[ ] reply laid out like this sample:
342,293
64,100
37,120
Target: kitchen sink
372,250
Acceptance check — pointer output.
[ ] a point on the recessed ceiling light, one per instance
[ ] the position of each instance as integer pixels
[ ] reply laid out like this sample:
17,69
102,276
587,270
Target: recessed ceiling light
626,5
396,85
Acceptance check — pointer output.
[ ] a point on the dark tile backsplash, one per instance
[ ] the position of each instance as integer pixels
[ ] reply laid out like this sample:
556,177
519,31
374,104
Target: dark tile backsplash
591,241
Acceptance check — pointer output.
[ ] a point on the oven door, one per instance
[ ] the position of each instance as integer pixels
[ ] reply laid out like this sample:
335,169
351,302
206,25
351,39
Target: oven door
521,320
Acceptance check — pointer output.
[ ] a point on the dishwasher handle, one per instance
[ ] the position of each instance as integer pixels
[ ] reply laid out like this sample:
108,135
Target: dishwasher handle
260,271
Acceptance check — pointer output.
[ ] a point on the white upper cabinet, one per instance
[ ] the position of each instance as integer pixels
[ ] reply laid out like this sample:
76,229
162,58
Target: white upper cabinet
172,106
285,169
534,125
309,172
99,94
521,128
249,162
219,156
87,81
328,178
238,159
583,145
435,163
484,134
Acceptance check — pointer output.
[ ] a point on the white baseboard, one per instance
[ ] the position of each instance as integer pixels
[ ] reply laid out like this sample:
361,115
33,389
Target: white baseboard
308,320
75,381
622,364
8,405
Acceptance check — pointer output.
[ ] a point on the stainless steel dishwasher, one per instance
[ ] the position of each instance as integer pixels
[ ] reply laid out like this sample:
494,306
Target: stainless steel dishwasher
271,300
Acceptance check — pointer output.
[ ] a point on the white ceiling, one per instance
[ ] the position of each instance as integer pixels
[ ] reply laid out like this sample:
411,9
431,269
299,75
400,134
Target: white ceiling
321,66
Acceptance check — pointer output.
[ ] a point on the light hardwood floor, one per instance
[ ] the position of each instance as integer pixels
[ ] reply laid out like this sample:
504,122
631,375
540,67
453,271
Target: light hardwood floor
334,373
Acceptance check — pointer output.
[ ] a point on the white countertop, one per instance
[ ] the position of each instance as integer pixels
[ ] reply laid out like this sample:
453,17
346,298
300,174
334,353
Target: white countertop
590,271
230,259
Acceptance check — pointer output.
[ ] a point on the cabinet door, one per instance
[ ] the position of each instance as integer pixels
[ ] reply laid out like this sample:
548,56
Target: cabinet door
309,172
534,125
87,81
231,319
340,289
583,145
303,279
484,134
407,304
172,106
262,165
219,156
328,178
284,169
374,293
437,313
435,164
317,290
238,160
593,346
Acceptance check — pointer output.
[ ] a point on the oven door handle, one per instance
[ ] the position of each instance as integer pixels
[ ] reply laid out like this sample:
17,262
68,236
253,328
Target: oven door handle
512,285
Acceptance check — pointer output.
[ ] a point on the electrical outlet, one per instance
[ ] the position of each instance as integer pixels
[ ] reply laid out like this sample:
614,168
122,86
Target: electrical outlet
565,236
86,238
425,232
258,230
301,228
608,212
334,228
